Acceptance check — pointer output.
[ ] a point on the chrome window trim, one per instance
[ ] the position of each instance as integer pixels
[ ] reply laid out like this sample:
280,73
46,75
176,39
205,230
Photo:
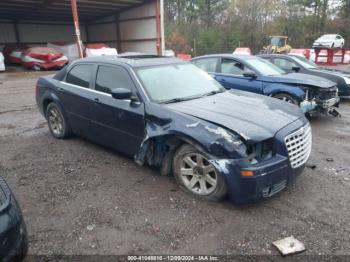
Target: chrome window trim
87,89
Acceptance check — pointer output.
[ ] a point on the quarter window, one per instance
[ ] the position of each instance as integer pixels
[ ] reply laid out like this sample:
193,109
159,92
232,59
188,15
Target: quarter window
80,75
109,78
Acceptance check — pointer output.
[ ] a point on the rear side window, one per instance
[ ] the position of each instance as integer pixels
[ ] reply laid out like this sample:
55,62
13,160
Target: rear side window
109,78
80,75
209,64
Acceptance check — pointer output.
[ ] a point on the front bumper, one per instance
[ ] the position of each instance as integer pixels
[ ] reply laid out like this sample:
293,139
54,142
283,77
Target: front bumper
322,45
270,176
315,107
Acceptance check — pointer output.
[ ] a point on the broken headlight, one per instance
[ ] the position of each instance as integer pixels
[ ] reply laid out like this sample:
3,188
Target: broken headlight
259,152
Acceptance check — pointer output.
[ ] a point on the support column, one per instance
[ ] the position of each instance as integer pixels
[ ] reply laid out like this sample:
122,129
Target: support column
158,16
15,25
117,26
76,26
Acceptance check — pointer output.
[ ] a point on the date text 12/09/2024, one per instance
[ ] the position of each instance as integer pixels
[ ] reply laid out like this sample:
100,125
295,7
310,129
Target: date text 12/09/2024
173,258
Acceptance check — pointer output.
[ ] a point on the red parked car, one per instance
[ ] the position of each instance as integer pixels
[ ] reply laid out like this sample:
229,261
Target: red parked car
43,58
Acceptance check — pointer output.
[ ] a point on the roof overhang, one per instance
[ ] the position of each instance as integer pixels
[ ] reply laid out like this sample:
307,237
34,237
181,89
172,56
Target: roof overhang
60,10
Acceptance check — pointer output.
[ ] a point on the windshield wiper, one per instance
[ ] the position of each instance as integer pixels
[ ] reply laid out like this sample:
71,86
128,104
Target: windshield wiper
175,100
214,92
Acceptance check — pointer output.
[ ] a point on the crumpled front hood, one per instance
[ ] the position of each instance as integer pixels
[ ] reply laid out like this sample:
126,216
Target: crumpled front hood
253,117
301,79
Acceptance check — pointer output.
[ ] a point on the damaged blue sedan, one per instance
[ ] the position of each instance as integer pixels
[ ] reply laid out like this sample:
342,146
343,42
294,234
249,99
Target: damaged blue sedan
168,113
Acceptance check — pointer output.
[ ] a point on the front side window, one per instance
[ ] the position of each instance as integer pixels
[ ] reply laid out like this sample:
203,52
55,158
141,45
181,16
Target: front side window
80,75
284,64
305,62
177,82
232,67
109,78
208,64
264,67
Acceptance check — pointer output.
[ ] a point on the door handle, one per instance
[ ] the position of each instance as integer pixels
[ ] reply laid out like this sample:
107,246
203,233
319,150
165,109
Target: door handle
97,100
60,89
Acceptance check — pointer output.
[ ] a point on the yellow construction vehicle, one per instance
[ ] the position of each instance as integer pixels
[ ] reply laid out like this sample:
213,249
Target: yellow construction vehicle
278,45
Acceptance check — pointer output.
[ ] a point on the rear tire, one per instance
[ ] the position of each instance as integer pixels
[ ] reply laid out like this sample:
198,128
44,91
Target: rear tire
286,98
196,175
58,125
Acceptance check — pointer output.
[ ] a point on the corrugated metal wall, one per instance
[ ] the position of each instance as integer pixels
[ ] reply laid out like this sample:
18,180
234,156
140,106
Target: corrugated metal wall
34,33
137,31
139,35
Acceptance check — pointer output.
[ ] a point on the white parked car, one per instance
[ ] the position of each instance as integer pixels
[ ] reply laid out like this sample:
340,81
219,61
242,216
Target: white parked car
329,41
2,62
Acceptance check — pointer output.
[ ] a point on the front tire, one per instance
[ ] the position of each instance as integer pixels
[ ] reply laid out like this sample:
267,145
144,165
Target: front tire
196,175
58,125
286,98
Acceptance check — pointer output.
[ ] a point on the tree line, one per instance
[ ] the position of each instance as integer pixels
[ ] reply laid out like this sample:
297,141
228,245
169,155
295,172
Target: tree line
212,26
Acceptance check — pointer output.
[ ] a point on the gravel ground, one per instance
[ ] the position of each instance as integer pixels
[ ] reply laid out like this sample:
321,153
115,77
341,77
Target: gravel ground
80,198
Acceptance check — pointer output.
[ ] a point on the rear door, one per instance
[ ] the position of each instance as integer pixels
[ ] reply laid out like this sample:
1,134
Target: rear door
117,123
76,97
231,76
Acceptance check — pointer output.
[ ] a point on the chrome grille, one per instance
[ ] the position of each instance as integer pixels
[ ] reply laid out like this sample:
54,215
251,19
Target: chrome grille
4,194
272,190
299,146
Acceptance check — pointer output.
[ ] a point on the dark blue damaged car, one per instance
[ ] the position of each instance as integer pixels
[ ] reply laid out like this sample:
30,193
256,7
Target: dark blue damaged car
13,233
315,95
167,113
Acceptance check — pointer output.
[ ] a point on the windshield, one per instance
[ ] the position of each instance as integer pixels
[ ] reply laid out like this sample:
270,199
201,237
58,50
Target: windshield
264,67
173,83
305,62
278,41
327,37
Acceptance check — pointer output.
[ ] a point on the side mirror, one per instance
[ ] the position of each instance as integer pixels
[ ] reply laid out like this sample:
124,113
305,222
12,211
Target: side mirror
250,74
121,93
296,69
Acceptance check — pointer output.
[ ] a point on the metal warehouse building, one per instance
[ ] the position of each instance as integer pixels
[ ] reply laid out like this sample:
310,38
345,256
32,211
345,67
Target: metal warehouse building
128,25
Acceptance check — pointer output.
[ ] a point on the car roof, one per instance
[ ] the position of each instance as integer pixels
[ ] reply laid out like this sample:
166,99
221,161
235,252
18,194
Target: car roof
243,57
133,60
327,35
274,55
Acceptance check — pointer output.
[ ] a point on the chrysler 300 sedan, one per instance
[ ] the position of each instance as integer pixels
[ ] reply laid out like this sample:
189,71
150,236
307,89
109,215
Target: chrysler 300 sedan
168,113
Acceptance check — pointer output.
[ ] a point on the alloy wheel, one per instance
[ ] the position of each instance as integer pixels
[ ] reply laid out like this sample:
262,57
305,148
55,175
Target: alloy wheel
286,99
198,174
55,121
